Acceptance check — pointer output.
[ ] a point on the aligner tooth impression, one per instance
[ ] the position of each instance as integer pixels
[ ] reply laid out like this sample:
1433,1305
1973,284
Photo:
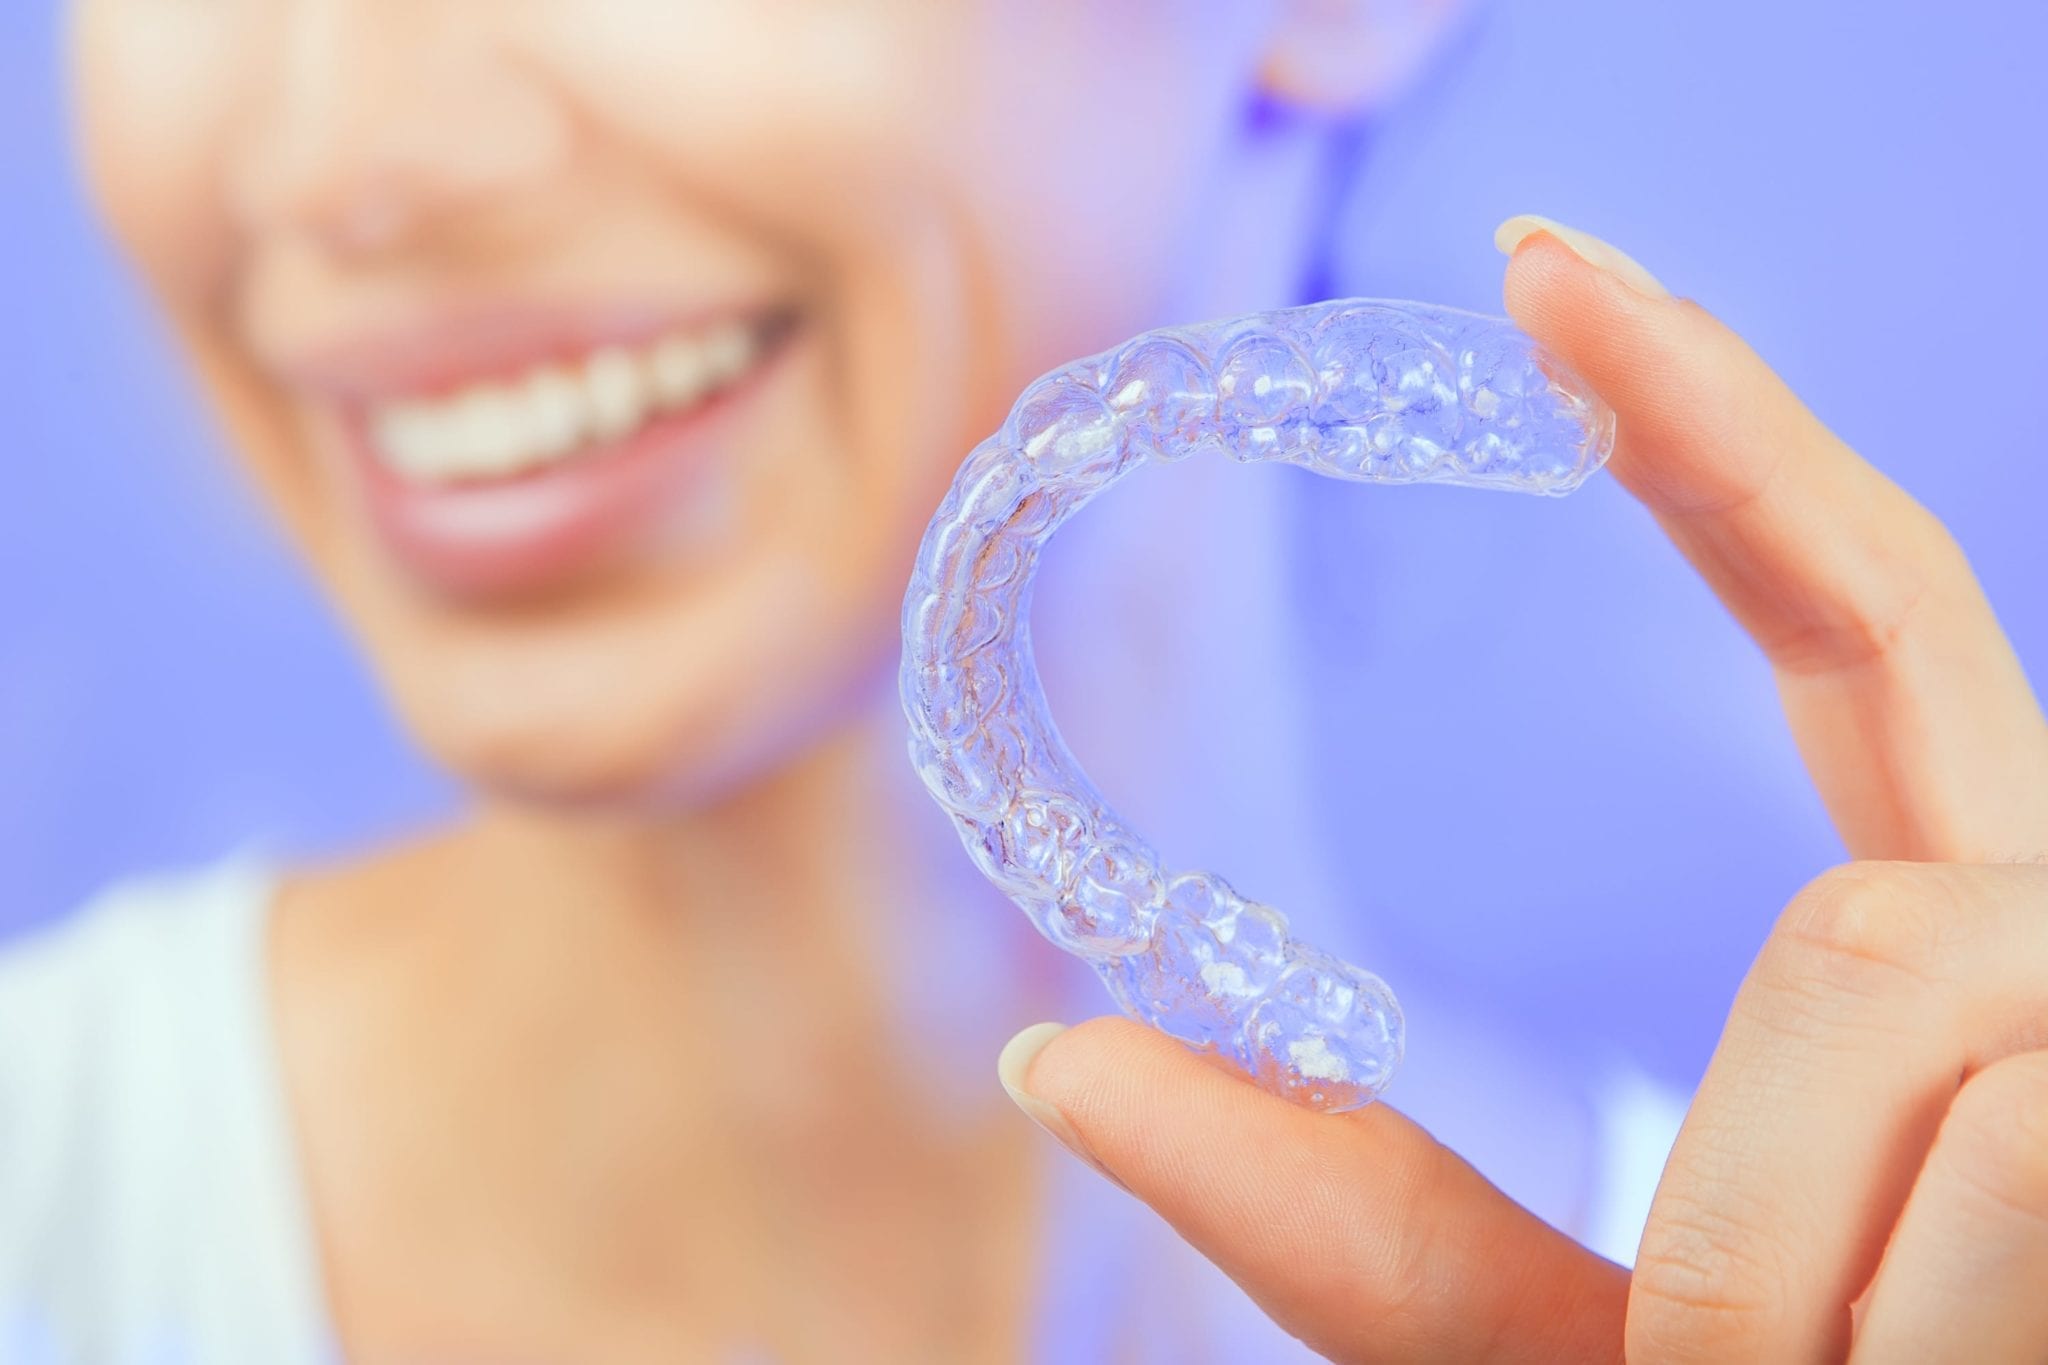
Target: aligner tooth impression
1357,389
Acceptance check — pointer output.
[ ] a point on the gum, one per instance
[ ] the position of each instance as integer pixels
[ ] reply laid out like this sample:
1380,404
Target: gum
1363,390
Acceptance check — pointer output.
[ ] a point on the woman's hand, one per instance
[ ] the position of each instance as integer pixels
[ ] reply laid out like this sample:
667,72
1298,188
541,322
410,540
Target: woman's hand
1864,1171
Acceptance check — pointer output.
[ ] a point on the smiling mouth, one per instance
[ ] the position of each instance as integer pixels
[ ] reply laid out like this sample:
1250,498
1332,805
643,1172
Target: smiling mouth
508,453
555,413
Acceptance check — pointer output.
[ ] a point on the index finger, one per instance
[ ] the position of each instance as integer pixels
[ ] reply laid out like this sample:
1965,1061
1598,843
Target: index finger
1908,703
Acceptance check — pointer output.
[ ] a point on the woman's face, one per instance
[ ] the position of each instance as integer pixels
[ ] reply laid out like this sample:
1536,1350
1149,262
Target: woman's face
604,357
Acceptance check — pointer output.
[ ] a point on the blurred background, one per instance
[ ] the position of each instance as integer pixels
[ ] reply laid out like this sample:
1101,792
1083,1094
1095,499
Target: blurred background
1530,715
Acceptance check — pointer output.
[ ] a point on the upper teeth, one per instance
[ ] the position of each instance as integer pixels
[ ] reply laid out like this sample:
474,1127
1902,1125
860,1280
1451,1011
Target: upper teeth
491,430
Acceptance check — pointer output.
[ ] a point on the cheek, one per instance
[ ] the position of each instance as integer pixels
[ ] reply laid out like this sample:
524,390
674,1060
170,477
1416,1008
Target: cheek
1044,154
822,139
153,117
1081,143
982,190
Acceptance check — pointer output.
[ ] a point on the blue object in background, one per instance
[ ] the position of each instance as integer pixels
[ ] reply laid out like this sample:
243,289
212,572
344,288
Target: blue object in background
1544,745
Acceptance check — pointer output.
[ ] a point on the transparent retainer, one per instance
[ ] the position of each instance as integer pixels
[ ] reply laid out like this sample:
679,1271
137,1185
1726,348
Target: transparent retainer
1358,389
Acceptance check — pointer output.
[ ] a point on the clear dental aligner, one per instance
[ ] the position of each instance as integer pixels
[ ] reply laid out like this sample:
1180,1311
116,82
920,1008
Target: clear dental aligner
1357,389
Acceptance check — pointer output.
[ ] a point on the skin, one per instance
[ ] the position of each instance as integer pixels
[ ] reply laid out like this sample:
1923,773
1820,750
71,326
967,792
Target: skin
1864,1171
541,1111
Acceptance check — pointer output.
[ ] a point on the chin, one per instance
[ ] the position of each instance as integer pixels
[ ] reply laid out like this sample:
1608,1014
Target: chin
640,751
563,763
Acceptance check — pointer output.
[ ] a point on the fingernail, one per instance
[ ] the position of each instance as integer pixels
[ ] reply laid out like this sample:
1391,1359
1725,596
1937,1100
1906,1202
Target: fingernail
1013,1067
1588,248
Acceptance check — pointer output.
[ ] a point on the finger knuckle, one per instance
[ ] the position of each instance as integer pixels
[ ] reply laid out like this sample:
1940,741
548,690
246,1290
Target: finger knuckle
1703,1287
1867,615
1996,1135
1866,925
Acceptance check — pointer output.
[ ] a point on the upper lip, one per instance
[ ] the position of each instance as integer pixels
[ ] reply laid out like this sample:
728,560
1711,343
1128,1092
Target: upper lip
475,344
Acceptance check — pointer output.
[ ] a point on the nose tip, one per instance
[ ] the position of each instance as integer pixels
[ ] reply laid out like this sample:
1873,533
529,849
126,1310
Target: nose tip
361,218
360,154
310,174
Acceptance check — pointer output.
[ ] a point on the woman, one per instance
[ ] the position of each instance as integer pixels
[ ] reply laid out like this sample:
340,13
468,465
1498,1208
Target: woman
604,363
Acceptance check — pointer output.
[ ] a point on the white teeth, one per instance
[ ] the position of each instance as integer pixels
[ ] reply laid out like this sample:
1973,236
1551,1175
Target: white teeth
727,351
409,437
553,413
618,395
679,371
489,436
554,406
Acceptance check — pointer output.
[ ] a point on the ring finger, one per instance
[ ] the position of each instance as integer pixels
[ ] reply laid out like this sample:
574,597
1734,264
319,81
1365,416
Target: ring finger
1965,1278
1884,988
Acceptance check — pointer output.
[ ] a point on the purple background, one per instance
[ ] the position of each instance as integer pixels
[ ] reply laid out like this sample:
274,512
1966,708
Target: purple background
1541,729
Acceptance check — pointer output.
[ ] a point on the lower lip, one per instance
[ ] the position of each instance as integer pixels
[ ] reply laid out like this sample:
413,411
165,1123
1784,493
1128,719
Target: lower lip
547,526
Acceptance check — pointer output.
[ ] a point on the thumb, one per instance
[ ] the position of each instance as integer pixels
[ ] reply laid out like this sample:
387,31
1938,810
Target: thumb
1358,1233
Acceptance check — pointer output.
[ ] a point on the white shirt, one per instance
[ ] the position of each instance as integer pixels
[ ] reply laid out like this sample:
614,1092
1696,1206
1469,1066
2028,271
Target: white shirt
151,1211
